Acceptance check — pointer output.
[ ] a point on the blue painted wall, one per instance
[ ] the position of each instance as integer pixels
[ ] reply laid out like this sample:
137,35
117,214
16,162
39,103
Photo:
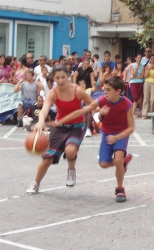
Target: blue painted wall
60,30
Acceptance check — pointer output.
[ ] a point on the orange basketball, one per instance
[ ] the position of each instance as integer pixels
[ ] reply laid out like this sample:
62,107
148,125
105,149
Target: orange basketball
36,143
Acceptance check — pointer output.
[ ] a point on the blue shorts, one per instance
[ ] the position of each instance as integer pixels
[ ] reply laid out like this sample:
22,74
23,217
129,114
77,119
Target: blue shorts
106,151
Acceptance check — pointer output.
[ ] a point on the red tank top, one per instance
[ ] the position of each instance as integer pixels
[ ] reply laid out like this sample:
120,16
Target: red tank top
66,107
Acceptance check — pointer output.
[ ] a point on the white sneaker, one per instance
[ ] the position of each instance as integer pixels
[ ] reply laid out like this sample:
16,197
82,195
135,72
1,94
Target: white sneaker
71,178
88,133
33,188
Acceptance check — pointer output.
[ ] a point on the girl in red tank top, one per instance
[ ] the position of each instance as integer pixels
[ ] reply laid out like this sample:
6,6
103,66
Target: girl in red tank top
65,138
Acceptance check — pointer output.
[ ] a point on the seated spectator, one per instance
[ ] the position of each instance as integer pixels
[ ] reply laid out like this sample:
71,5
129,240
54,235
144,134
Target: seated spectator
31,118
11,61
47,86
85,73
29,91
43,75
68,65
30,63
42,63
20,73
4,70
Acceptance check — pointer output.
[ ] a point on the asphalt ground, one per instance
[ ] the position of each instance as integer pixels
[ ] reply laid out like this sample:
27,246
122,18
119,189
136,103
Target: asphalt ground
86,216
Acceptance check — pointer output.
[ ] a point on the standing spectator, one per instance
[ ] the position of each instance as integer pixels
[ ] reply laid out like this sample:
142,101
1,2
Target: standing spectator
136,82
84,53
107,59
30,63
42,63
20,73
87,56
145,59
85,73
148,99
128,78
4,70
62,60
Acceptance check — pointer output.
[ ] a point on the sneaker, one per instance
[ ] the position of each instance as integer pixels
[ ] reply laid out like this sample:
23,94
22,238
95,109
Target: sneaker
120,195
19,124
127,161
71,178
33,188
88,133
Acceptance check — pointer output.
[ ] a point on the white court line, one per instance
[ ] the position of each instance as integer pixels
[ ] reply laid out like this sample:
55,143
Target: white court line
4,200
70,221
58,188
8,242
139,139
127,176
10,132
1,149
50,189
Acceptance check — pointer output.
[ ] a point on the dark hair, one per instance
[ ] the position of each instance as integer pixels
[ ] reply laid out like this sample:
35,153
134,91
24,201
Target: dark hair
138,54
62,58
74,53
82,80
8,60
39,96
22,60
79,60
106,65
86,60
49,78
116,82
107,52
96,56
4,65
130,58
117,56
58,68
44,68
120,62
151,55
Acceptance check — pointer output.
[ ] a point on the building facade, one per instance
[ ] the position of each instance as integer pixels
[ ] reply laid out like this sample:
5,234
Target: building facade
56,27
48,27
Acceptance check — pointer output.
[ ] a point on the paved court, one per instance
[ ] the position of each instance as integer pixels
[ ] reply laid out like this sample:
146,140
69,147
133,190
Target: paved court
85,217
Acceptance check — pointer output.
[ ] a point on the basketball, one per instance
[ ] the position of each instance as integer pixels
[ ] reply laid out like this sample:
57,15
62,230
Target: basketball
36,143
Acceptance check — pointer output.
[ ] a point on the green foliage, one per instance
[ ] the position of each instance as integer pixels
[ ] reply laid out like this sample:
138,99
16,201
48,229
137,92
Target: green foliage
142,10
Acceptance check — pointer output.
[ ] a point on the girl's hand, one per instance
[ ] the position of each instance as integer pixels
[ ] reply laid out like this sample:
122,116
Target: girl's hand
39,126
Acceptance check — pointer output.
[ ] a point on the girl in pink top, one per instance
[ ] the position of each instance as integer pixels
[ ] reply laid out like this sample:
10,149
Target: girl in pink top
20,74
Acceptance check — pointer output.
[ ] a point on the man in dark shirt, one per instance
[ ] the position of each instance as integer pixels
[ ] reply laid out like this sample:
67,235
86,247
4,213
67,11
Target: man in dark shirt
30,63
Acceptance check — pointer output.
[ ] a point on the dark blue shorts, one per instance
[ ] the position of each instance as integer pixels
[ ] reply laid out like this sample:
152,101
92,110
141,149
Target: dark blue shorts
106,151
60,137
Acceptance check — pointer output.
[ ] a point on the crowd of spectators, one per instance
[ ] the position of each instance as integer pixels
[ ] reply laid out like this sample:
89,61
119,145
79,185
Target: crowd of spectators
34,78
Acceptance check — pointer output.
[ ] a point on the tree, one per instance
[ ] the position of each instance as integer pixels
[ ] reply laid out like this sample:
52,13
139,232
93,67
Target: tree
143,10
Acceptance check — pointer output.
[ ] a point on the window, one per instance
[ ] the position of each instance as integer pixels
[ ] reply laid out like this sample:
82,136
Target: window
4,38
34,38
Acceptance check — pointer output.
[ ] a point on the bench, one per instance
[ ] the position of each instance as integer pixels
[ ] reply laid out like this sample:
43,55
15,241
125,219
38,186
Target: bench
152,116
